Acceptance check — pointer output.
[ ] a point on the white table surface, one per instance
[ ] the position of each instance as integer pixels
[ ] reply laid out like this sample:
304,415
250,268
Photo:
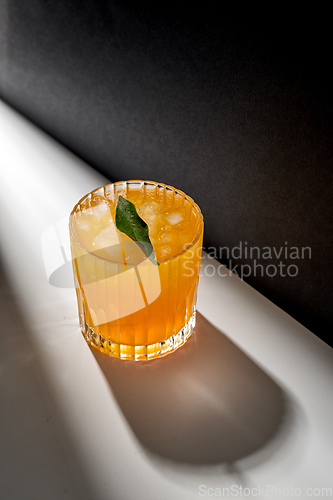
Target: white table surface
246,404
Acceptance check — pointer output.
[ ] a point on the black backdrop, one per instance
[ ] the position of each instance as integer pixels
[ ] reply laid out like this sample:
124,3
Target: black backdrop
235,110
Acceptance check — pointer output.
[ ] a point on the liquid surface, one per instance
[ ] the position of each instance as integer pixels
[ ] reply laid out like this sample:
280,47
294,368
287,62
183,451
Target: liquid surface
170,229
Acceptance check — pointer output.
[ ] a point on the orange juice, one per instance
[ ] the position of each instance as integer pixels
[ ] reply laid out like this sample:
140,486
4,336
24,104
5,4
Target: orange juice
129,307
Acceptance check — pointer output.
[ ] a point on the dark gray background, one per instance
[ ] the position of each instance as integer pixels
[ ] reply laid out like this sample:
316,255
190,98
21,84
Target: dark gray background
235,110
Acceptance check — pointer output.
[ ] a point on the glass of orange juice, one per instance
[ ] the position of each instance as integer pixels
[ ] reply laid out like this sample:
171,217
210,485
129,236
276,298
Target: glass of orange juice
130,308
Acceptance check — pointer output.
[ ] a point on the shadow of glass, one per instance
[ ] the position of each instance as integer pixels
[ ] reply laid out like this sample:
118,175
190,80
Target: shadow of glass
62,277
207,403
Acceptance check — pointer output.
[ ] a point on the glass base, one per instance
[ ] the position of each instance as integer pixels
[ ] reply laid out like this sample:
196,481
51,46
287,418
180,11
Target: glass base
140,352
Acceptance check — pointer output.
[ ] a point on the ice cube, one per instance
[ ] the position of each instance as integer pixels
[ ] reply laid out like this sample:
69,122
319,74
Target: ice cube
149,209
82,223
107,245
149,212
184,234
92,218
165,251
167,236
173,217
106,238
98,211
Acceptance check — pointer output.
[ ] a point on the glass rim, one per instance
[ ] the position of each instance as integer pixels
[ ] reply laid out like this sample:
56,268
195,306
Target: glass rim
157,184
